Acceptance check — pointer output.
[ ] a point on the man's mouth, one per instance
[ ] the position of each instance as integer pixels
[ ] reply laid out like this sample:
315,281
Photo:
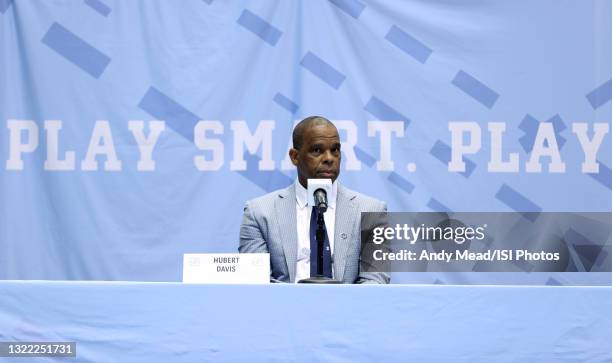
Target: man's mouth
326,174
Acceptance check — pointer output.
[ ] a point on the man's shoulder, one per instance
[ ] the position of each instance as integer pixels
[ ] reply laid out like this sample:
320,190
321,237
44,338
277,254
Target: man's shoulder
269,198
361,198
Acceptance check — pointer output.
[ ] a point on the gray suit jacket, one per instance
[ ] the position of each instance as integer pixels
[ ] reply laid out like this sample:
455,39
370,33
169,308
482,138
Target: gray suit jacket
269,225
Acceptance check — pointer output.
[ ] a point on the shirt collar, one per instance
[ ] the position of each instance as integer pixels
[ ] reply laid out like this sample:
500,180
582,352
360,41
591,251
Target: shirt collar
301,195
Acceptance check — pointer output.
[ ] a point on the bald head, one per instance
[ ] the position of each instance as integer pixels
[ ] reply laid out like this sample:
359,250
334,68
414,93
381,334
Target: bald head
304,125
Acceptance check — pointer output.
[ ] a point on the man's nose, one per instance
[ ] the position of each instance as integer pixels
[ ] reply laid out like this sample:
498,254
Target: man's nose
328,157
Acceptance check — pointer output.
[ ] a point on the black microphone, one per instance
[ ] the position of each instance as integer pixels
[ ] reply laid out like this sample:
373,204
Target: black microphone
320,199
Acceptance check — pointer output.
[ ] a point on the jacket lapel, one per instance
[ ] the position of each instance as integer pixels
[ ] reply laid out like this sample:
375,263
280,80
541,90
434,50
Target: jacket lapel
346,217
287,222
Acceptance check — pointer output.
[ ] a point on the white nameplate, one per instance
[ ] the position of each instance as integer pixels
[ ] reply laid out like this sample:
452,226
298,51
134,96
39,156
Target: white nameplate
226,268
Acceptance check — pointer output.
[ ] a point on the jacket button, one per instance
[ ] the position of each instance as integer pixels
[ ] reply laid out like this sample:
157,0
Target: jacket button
343,235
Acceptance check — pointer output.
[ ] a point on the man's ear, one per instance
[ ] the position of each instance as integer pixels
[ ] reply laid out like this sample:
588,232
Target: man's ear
293,155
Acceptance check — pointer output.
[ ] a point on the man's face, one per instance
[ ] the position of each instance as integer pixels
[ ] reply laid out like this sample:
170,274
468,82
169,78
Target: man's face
319,155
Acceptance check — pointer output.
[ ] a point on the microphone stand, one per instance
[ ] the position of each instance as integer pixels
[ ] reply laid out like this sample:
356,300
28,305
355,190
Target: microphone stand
319,278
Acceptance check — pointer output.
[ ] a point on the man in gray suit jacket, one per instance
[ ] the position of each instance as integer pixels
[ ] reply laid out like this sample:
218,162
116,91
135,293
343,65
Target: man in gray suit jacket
270,223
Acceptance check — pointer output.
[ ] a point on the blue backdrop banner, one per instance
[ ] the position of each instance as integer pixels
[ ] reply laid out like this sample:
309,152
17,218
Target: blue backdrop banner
134,131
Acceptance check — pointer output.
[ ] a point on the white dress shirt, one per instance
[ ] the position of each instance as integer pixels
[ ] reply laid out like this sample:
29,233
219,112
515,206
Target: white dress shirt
302,270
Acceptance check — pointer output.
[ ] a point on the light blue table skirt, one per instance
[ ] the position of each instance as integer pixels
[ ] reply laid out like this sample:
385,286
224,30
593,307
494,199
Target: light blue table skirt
172,322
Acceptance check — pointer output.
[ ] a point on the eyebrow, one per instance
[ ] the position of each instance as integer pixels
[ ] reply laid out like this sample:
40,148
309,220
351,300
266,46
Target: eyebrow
321,146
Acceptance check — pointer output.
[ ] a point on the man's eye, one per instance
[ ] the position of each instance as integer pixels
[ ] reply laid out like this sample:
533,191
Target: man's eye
316,150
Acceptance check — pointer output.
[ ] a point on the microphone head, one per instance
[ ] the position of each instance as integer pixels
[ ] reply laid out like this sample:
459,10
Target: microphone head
320,200
318,190
321,192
